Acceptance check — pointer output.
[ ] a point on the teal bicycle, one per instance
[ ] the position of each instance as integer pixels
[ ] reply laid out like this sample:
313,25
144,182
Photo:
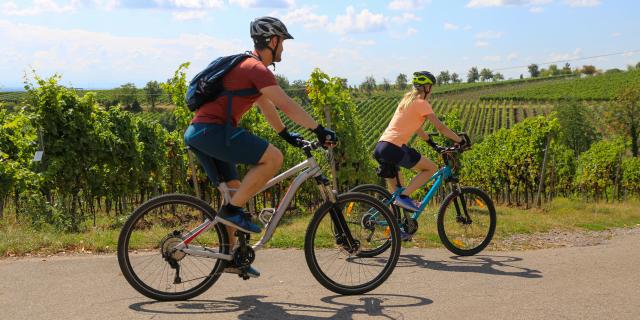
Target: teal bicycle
466,218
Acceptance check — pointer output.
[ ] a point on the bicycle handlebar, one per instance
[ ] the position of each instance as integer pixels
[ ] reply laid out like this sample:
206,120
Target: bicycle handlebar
457,148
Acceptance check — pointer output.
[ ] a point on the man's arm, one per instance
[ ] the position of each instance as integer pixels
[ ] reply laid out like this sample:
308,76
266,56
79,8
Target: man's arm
291,108
270,113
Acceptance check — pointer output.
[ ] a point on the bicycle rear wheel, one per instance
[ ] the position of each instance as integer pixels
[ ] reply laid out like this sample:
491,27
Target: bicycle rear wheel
466,221
146,255
341,268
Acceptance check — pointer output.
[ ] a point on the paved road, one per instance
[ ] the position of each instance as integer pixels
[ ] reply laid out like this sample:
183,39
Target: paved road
569,283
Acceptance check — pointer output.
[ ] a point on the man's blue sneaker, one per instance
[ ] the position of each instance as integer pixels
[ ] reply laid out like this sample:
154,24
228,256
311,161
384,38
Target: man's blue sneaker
406,203
237,219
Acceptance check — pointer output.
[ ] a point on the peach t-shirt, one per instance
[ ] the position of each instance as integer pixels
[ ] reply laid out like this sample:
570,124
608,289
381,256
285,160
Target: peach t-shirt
405,122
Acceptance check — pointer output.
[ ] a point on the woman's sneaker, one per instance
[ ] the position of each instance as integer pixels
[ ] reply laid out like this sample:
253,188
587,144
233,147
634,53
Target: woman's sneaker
237,218
406,203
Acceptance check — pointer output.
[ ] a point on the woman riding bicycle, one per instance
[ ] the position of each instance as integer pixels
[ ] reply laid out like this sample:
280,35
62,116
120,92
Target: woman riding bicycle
392,151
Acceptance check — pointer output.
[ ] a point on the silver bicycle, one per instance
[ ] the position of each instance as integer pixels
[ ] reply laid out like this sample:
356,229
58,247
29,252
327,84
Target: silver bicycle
171,248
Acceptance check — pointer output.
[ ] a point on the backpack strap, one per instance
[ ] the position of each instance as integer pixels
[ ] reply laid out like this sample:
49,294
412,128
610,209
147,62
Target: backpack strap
230,94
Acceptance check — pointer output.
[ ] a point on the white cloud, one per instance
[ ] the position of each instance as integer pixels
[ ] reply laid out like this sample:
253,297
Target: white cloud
10,8
566,55
492,58
364,21
536,10
262,3
451,26
189,15
367,42
583,3
408,4
197,4
83,54
501,3
306,17
411,31
405,18
467,28
482,44
489,35
512,56
615,35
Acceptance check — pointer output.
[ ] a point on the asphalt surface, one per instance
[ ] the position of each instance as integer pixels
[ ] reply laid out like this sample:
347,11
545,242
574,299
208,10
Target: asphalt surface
594,282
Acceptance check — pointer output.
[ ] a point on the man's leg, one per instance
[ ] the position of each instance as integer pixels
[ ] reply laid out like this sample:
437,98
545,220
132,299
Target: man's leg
258,176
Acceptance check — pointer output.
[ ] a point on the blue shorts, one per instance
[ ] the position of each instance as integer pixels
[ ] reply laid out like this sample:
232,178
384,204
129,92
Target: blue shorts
208,142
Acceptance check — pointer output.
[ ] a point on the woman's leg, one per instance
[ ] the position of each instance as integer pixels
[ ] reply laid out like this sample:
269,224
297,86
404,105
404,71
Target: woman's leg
425,168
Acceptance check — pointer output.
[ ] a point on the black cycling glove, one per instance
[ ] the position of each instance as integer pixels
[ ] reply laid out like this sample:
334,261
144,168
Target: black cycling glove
325,135
292,138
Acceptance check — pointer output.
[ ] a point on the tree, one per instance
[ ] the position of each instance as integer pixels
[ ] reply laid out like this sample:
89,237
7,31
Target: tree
152,91
534,70
473,75
298,84
624,115
386,85
443,78
553,70
401,81
455,78
566,70
589,70
283,82
576,131
369,84
498,76
638,66
486,74
127,94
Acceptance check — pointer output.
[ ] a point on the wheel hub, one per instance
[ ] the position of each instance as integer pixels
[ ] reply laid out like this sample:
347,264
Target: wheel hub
168,245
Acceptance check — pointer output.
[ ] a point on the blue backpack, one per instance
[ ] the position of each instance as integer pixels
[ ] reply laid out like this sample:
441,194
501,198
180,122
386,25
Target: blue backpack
207,85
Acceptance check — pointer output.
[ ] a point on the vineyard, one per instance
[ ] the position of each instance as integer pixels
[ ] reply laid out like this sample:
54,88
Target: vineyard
599,88
102,161
478,118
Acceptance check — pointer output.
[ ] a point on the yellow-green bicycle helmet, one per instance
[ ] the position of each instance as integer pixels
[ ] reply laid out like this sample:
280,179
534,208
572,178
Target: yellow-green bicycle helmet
423,78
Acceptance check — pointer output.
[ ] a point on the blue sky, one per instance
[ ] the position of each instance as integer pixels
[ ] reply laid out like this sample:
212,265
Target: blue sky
105,43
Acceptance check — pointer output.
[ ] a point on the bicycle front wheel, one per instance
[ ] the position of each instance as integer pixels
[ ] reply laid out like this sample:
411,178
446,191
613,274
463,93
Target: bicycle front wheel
384,196
146,251
466,221
340,267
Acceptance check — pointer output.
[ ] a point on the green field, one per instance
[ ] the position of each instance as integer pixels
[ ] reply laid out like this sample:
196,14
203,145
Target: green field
600,87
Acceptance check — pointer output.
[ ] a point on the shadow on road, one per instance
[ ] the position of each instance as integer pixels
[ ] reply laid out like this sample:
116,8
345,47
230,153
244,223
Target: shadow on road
253,307
494,265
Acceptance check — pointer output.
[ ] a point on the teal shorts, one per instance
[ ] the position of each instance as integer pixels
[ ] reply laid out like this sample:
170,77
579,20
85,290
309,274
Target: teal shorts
218,158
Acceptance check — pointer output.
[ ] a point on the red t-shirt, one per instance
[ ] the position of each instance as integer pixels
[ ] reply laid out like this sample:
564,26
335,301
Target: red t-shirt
250,73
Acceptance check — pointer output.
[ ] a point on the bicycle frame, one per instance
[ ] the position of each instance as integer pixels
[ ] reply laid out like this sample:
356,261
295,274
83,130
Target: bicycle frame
307,169
440,176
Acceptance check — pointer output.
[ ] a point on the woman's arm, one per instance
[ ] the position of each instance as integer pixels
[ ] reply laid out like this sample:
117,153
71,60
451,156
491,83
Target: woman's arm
442,128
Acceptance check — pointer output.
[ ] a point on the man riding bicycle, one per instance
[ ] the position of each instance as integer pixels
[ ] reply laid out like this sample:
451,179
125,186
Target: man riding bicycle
223,150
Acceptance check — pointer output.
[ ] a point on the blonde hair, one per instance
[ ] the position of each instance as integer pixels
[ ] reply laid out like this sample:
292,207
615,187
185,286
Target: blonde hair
409,97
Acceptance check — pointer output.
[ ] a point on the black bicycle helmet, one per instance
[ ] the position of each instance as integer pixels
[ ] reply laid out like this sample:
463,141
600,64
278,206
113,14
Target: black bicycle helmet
264,28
